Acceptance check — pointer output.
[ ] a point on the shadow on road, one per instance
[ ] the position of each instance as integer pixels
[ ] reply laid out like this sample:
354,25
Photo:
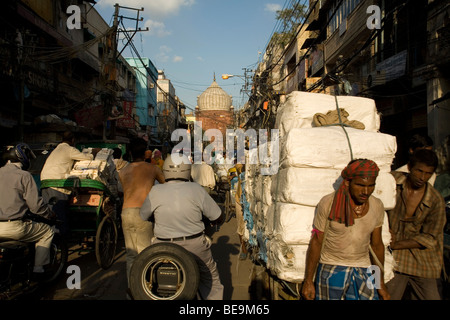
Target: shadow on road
222,251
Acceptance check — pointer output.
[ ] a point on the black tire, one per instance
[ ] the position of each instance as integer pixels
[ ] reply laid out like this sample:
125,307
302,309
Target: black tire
227,206
59,254
146,265
106,242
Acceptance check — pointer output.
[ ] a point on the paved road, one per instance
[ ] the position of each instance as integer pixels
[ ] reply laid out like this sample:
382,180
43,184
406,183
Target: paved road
99,284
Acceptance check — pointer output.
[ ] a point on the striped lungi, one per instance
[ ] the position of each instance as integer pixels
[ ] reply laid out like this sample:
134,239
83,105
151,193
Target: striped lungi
343,283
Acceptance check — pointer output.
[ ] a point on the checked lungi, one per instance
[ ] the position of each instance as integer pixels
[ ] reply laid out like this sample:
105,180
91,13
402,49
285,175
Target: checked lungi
343,283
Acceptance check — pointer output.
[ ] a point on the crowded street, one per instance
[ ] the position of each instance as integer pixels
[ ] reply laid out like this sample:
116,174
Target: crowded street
98,284
211,152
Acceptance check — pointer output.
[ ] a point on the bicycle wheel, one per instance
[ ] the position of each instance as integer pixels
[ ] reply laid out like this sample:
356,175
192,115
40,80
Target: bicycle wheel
106,242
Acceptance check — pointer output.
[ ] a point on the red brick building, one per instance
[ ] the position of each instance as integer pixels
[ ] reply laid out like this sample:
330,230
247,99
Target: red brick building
214,109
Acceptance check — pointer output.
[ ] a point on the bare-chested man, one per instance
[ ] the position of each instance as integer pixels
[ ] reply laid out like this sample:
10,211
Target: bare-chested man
417,224
137,179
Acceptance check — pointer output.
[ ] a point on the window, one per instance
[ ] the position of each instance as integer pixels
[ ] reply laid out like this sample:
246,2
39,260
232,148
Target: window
151,110
346,7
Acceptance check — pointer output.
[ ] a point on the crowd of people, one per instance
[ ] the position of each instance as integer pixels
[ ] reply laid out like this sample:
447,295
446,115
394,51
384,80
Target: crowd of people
164,201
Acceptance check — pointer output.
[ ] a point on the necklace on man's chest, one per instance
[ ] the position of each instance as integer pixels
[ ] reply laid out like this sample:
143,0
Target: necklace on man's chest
359,210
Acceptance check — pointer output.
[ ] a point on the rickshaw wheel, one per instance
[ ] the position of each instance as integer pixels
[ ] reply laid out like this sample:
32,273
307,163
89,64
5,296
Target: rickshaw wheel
228,206
106,242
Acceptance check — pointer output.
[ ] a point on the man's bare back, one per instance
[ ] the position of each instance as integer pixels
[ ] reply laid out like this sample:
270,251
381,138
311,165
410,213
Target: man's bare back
137,179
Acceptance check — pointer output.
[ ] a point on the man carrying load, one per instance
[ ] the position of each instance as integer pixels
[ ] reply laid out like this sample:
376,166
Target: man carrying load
347,223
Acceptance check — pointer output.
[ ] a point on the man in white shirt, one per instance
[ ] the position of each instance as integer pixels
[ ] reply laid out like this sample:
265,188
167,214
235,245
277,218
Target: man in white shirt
204,175
58,164
347,223
178,207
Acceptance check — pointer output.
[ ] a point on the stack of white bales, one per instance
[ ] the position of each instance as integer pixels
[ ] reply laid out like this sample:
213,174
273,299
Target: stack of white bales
311,161
258,197
100,169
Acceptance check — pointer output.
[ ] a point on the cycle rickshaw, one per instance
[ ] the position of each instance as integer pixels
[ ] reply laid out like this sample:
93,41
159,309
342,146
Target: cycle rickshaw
226,191
94,211
93,217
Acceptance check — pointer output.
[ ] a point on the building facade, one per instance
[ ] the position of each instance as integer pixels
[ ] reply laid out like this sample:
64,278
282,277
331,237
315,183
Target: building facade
215,109
167,108
57,76
146,102
402,64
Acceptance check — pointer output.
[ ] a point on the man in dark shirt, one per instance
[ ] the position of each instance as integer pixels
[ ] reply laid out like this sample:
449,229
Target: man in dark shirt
416,224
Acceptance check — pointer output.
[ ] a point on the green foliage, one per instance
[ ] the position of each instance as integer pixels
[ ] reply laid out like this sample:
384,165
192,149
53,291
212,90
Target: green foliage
290,19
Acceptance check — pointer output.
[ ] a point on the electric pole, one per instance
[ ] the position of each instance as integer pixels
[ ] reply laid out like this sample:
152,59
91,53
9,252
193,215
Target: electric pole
110,98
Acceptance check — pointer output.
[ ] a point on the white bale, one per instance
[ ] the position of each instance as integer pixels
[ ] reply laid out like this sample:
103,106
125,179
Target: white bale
263,189
306,186
259,210
290,223
287,262
300,107
389,262
328,147
263,210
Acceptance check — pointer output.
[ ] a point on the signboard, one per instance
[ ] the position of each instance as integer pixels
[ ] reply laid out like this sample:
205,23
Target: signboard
393,67
127,121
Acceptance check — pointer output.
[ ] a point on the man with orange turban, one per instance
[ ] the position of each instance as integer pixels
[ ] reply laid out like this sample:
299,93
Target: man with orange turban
346,223
157,159
148,156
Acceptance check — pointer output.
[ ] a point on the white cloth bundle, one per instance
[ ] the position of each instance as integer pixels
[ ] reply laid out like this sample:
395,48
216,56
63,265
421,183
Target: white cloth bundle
263,189
328,147
306,186
300,107
89,165
101,169
288,241
288,262
290,223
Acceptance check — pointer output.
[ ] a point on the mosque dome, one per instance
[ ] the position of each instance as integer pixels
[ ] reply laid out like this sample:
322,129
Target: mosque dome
214,98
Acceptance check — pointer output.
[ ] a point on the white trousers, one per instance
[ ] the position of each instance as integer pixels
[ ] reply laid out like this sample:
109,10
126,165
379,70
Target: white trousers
137,234
30,231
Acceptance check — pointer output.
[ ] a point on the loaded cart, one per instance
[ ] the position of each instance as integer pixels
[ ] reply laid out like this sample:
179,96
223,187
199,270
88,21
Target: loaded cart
95,202
93,219
318,135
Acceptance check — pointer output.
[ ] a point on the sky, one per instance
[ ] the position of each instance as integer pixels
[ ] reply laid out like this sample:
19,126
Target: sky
191,40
